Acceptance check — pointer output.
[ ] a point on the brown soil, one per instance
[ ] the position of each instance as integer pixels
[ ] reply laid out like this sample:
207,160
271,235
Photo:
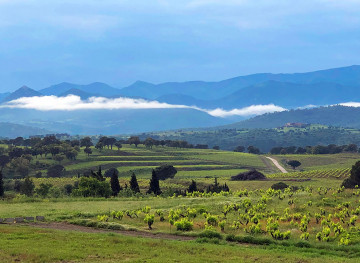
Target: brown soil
70,227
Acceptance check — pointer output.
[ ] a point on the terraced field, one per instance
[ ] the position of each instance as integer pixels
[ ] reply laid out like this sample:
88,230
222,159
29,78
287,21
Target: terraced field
319,173
320,161
190,163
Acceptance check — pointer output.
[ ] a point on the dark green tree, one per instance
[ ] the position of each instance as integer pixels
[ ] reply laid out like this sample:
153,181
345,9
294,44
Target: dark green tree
111,141
43,189
4,160
27,187
118,145
1,184
134,140
86,142
56,170
149,143
354,178
154,184
97,175
88,151
134,186
192,187
240,149
253,150
166,171
111,171
115,185
294,163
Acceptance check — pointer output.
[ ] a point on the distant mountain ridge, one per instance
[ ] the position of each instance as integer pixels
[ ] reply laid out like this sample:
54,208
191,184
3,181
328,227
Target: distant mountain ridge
99,88
339,116
11,130
345,76
24,91
322,87
290,91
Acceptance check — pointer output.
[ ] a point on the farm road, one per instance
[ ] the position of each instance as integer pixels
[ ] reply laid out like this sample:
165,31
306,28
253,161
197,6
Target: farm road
70,227
276,163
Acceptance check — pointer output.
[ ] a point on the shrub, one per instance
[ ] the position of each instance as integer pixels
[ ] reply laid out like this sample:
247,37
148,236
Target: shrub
92,187
279,186
210,234
184,225
212,220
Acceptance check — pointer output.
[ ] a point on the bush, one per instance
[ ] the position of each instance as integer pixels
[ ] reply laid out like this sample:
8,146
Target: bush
165,171
250,175
184,225
91,187
210,234
279,186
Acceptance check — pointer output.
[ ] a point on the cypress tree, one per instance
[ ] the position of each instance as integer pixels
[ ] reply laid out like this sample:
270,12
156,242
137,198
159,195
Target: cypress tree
134,186
154,184
1,185
192,187
115,185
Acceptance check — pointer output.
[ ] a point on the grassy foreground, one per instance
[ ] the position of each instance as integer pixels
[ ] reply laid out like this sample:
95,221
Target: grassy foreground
28,244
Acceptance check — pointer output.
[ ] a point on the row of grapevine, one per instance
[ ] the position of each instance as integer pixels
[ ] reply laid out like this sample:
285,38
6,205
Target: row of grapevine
340,173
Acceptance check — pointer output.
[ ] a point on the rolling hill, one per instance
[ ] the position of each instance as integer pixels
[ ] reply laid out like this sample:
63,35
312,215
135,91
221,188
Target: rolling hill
110,122
339,116
11,130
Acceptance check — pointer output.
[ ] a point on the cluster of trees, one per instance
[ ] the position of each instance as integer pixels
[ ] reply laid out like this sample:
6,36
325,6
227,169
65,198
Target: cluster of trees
17,159
109,142
318,149
250,149
150,142
264,139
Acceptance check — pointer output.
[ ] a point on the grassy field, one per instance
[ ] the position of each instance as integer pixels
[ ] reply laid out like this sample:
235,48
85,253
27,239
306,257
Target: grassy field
240,217
320,161
28,244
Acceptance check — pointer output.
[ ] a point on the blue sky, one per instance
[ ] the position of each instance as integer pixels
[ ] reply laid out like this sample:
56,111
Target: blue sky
118,42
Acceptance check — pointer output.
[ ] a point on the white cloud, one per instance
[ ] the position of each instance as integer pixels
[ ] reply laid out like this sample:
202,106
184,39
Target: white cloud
309,106
350,104
247,111
72,102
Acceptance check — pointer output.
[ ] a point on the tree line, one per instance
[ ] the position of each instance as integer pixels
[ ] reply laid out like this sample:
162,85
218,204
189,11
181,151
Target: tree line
318,149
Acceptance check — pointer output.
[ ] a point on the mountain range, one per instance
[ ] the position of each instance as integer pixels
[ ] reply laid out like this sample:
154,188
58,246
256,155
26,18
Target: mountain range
290,91
322,87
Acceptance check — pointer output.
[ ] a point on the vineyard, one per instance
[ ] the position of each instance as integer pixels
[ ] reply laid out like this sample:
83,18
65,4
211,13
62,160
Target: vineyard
341,173
313,215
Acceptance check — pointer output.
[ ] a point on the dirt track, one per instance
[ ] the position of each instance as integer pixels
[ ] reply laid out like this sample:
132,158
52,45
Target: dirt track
70,227
276,163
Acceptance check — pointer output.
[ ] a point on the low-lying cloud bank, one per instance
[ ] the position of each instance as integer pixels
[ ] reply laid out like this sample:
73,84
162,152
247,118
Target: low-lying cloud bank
247,111
72,102
350,104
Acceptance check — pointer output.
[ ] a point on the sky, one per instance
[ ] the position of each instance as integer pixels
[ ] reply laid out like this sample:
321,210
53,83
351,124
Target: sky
121,41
